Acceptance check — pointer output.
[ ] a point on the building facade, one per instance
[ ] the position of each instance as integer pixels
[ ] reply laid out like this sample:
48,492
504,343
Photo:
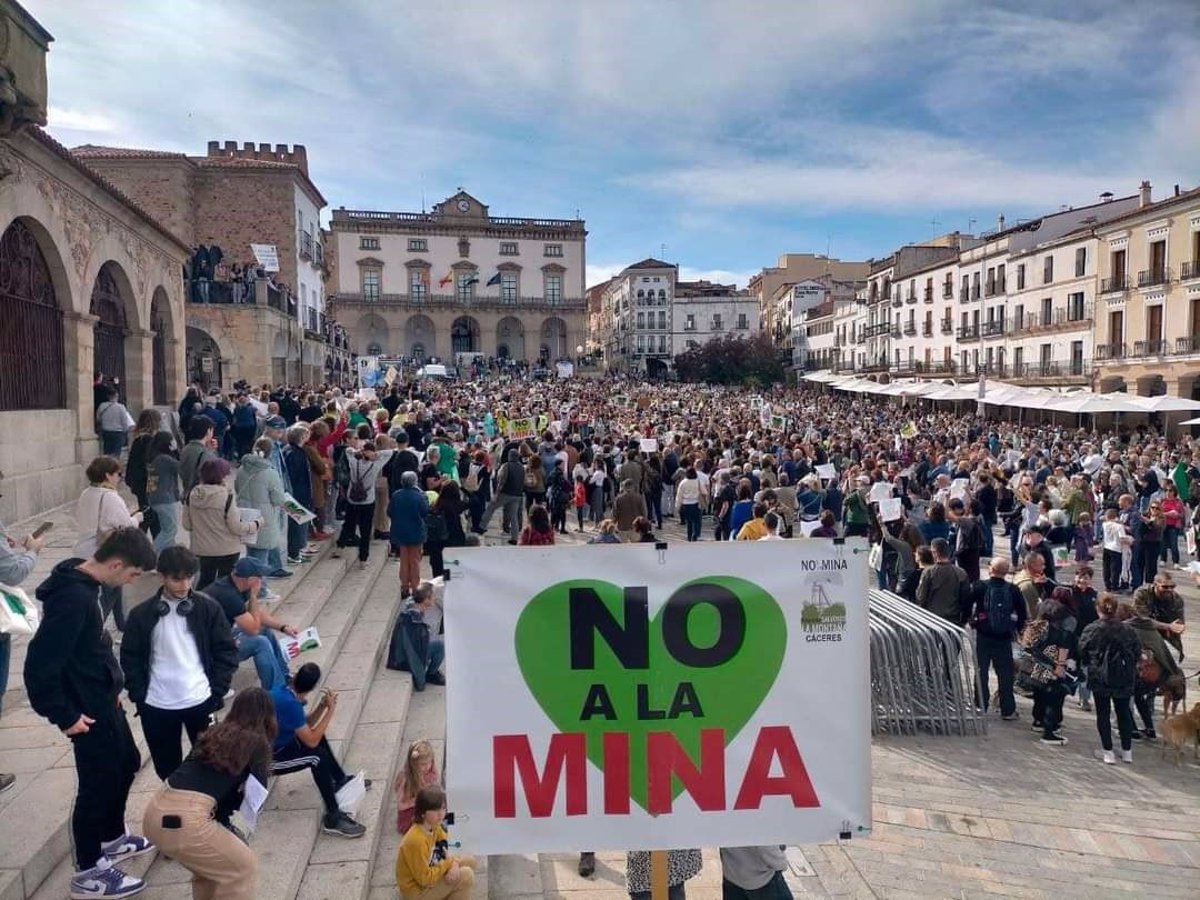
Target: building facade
812,310
636,329
457,282
793,268
232,197
703,311
89,283
1148,316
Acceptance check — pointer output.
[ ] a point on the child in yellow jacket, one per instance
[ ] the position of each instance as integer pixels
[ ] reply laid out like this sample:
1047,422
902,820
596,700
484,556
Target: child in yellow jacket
425,870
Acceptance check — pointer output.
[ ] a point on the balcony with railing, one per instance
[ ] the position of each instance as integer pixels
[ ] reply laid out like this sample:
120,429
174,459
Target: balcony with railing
927,331
944,367
994,288
876,330
1110,351
910,297
305,242
964,294
928,295
878,364
1064,318
1142,349
1053,370
947,292
451,300
896,330
968,333
947,326
1185,346
992,369
910,328
1149,278
897,302
1118,284
1189,270
993,328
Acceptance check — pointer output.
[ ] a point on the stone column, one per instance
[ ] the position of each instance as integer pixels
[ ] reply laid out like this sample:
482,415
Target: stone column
79,345
139,372
177,374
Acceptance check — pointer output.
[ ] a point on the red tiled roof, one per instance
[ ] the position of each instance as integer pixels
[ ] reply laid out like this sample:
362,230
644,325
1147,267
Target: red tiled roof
94,151
59,150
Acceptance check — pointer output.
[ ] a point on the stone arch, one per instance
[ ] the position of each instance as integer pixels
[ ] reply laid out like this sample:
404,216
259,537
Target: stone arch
420,337
371,329
114,355
464,336
510,338
554,338
32,353
206,358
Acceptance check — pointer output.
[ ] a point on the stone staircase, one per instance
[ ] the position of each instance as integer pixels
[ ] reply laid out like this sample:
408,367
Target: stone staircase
353,609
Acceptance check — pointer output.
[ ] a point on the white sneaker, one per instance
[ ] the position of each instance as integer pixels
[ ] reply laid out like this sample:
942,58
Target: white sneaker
104,881
1127,756
1110,758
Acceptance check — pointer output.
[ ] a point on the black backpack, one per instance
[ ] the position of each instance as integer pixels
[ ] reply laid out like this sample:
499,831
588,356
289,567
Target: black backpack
1118,667
358,487
998,607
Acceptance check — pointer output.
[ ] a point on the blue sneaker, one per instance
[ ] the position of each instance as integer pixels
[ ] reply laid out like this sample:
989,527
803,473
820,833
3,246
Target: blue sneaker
105,881
125,846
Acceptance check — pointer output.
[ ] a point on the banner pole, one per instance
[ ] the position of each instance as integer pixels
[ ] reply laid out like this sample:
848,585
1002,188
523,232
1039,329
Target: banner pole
658,875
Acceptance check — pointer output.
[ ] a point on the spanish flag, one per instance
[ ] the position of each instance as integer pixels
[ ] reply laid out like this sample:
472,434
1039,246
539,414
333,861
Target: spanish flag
447,280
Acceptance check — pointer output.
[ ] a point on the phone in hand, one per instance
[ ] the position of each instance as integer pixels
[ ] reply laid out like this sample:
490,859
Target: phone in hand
42,529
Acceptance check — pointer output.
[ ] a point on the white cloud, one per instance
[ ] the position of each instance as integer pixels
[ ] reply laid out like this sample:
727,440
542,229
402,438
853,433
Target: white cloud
80,120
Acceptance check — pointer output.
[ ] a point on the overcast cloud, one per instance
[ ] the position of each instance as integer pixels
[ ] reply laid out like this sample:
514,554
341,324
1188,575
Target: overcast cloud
730,132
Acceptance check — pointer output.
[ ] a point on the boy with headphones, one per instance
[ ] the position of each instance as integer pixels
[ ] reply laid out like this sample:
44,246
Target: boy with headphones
179,656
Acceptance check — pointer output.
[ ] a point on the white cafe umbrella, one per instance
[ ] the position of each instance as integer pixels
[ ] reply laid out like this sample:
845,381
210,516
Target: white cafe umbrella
1087,402
1165,403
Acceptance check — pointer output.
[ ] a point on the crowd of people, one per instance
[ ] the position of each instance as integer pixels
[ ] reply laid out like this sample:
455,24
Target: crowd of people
976,520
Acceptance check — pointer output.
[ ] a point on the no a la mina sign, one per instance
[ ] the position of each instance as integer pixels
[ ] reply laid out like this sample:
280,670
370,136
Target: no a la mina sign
621,696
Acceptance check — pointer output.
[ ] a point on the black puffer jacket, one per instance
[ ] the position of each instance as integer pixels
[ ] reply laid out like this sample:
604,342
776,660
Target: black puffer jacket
214,642
1097,645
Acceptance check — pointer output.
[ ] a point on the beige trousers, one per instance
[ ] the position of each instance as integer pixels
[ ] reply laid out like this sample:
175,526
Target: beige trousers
222,867
444,890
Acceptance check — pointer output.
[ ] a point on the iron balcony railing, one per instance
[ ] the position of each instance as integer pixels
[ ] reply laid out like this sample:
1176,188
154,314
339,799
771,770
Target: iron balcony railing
1118,284
1189,344
1110,351
1153,277
1149,348
1079,368
968,332
947,326
1189,269
947,291
421,300
993,328
910,328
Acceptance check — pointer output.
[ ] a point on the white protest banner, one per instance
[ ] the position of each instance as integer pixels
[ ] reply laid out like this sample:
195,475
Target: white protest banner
807,527
610,697
267,256
826,472
368,371
880,490
958,488
648,445
890,509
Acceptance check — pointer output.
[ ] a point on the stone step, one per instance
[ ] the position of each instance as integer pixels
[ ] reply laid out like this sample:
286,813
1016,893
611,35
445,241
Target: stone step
326,592
426,721
372,705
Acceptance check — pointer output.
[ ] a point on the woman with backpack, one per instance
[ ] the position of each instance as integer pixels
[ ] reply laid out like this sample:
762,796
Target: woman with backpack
211,515
559,496
1108,654
535,482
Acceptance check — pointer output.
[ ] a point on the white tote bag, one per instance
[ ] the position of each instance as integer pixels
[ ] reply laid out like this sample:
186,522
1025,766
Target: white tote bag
18,614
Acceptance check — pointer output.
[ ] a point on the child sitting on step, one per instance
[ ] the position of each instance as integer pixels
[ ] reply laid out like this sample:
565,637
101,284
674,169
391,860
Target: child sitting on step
419,771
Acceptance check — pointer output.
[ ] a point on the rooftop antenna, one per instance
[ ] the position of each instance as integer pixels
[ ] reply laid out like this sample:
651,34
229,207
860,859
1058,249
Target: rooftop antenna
662,248
934,223
971,225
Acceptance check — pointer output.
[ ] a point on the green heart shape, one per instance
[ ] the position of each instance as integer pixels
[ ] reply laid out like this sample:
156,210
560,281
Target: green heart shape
728,693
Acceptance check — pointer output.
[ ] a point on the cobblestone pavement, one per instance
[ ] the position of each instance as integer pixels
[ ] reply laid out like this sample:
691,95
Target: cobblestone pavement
953,817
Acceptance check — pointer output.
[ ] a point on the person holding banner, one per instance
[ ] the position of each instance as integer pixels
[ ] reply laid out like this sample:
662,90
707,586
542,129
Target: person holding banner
682,865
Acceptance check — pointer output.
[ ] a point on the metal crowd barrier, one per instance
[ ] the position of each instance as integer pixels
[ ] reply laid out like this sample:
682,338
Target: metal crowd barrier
922,671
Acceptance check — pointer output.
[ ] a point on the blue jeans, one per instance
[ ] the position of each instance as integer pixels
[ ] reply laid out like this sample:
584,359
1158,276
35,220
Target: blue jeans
268,657
297,538
989,538
690,513
168,520
112,443
263,555
437,654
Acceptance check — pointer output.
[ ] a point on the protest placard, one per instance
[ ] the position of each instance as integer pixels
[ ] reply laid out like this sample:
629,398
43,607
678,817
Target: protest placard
296,511
292,647
890,509
827,471
602,704
648,445
880,490
520,429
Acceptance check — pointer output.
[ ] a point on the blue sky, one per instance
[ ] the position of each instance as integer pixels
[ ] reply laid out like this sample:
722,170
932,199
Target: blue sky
731,132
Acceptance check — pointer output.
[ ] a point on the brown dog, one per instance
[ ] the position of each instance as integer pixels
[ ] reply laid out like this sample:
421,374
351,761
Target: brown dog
1180,730
1174,694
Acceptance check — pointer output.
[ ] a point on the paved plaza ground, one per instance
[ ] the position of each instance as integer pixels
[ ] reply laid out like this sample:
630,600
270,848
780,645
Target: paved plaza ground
953,817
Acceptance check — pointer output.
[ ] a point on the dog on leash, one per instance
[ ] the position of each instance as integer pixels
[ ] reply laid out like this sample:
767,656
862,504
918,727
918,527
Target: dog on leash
1180,730
1174,694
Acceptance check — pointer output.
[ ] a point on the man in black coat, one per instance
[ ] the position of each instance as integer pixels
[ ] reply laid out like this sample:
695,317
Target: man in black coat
179,656
73,680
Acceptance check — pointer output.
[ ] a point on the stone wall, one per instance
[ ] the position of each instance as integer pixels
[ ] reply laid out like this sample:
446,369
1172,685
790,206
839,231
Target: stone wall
237,209
161,187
